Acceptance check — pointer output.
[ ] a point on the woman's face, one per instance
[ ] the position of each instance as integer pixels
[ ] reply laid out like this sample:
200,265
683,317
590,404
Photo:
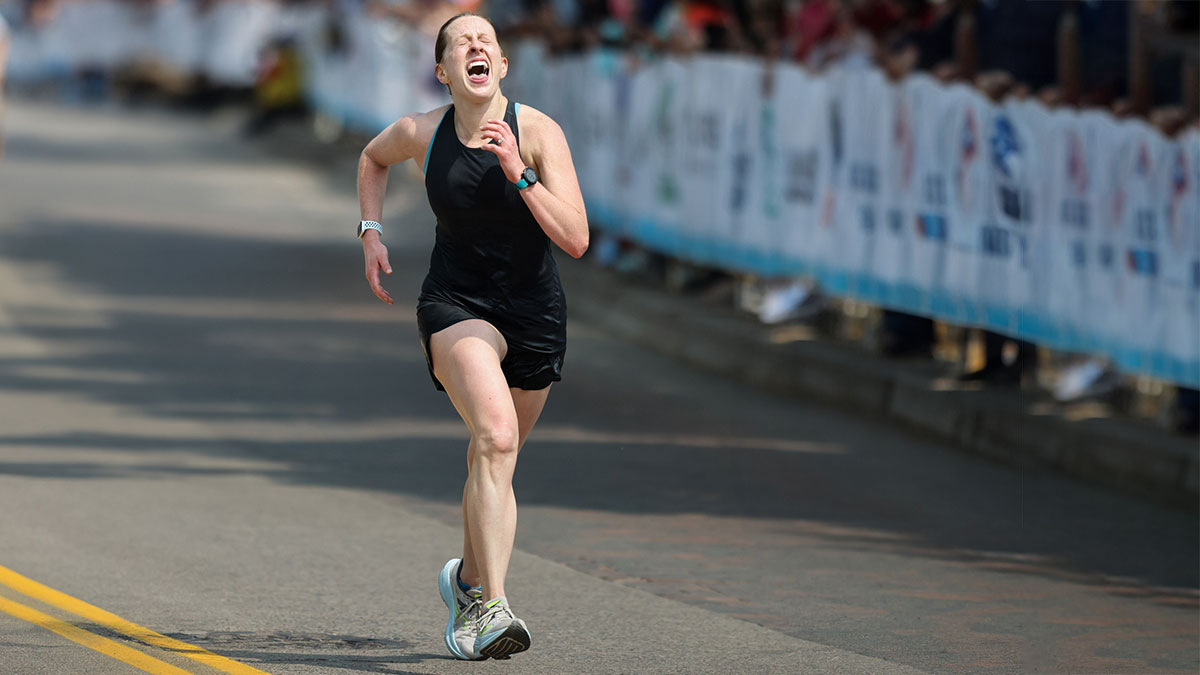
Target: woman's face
472,63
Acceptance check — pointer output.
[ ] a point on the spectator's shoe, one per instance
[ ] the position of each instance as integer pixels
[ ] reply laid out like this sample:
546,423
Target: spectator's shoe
500,633
464,609
1091,379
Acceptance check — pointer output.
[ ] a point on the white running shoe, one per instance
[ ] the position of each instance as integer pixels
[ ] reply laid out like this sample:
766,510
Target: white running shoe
500,633
464,609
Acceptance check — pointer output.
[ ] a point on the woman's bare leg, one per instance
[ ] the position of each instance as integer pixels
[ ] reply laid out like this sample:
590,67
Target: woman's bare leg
466,358
529,406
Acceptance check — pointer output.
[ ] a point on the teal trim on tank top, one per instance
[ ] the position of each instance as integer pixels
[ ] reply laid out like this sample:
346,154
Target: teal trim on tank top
429,150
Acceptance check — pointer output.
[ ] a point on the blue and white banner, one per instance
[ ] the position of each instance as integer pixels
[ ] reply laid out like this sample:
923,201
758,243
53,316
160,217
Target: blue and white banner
220,40
1179,201
701,160
1073,230
802,119
1070,229
1073,215
935,149
865,111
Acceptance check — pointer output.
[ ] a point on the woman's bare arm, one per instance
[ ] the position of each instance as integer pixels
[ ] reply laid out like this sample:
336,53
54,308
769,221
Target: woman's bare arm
404,139
555,200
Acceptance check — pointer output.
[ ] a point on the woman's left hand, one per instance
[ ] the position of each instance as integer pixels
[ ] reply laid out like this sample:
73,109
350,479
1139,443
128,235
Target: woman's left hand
501,142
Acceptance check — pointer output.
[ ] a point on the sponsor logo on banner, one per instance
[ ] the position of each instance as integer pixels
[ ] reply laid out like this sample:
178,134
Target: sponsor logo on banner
1143,161
668,187
624,106
904,141
1074,205
702,139
903,138
741,166
1120,168
829,208
1007,156
931,224
1179,189
769,147
864,177
999,240
1143,261
968,154
802,177
1077,169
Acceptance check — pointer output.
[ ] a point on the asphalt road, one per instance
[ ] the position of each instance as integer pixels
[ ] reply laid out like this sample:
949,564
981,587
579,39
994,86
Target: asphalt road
210,428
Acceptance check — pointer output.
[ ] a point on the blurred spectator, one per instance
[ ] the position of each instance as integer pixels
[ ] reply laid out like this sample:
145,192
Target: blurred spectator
425,15
1104,50
508,16
848,43
808,24
1020,38
763,27
877,18
931,30
279,90
699,24
556,22
998,369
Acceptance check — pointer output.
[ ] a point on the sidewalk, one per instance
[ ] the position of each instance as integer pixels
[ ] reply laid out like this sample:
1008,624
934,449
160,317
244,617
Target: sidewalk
1007,426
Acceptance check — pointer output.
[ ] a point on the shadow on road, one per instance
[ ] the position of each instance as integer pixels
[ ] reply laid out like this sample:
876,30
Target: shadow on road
244,332
343,652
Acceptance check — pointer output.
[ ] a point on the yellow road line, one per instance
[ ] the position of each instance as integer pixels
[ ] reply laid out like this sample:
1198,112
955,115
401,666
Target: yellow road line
90,640
113,622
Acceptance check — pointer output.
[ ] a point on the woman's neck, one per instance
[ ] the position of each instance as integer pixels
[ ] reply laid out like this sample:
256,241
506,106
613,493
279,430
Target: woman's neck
470,115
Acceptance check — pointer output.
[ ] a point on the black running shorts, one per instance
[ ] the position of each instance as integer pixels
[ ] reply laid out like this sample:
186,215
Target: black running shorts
523,368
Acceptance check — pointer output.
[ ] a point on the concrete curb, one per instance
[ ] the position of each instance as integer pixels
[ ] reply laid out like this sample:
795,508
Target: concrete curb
1007,426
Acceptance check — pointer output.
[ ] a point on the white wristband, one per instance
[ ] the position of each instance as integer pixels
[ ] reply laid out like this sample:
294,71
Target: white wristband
365,225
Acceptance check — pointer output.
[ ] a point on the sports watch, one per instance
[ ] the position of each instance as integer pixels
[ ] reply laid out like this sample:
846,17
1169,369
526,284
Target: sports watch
364,225
528,177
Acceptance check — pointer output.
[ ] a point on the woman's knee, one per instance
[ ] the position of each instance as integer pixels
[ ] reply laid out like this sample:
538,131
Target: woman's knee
496,441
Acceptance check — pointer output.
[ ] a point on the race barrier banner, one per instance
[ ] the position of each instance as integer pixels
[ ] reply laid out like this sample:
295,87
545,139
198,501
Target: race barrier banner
1070,229
221,41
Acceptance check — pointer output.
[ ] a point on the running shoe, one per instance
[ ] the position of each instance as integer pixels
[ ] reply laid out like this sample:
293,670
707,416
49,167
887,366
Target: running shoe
500,633
464,609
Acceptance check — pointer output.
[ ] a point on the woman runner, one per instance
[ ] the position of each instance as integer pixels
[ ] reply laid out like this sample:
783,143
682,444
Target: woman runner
491,313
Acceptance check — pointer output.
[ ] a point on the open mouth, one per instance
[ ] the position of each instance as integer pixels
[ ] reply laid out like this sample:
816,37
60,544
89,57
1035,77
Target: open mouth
478,70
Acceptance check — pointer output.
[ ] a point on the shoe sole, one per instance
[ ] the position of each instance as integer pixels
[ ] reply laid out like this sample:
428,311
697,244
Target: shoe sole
445,579
514,639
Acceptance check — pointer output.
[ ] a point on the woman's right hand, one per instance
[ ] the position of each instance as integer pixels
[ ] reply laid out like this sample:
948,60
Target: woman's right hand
376,257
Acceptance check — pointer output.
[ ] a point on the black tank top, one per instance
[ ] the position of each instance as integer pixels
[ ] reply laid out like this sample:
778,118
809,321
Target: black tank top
490,257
